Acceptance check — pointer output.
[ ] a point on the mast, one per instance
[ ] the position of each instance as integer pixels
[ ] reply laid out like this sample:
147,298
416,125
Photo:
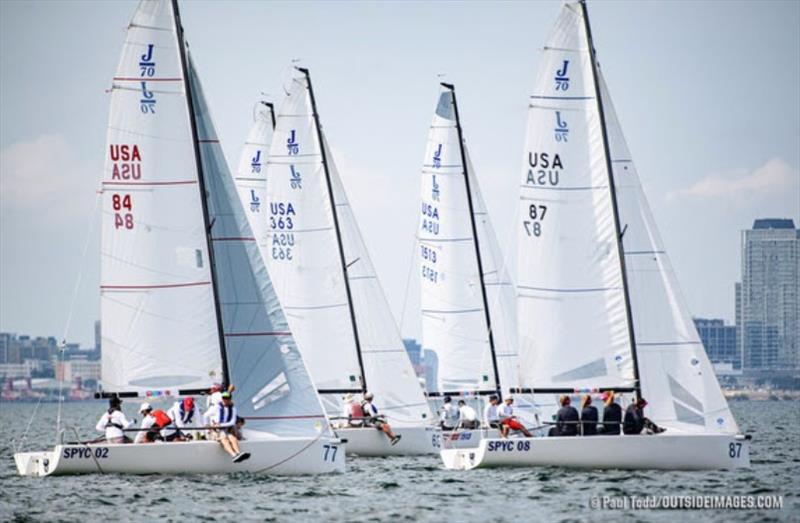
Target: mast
612,187
475,241
201,183
271,112
338,231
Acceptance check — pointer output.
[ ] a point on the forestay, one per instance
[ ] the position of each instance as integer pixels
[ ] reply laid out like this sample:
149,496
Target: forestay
573,321
273,388
251,177
159,326
676,375
454,322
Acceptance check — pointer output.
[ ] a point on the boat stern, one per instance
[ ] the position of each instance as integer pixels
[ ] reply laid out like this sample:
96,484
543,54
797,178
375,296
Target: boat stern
34,463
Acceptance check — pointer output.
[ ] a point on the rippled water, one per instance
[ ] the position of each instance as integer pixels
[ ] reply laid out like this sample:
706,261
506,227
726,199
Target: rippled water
397,488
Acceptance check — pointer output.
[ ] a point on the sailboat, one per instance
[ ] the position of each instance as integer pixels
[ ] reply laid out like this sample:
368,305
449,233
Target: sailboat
599,305
466,295
185,297
329,289
251,176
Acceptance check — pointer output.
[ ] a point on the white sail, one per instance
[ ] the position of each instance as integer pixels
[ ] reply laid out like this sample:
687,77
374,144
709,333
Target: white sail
303,252
273,389
573,322
387,366
305,262
159,325
677,377
454,325
251,176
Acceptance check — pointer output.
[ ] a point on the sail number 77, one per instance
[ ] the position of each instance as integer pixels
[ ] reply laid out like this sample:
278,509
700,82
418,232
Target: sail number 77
533,226
329,453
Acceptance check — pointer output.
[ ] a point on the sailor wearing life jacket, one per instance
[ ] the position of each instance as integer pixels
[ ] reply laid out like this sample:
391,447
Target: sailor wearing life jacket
185,415
223,418
158,423
113,422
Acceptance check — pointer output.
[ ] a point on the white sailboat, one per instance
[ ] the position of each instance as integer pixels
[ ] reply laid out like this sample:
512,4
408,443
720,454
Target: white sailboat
186,298
328,287
599,305
466,296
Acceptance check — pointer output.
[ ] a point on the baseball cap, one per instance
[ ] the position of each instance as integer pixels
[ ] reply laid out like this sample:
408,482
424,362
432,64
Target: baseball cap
145,407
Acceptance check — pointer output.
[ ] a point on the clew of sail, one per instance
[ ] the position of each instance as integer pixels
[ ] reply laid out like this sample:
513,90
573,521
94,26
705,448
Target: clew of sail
572,311
251,176
677,377
274,390
159,326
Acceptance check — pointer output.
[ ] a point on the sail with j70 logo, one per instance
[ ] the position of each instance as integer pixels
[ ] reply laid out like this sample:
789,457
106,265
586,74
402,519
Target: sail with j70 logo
599,305
467,301
251,177
327,285
186,297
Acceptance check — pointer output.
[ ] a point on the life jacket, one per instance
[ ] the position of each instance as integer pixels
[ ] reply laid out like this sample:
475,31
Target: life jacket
225,413
162,419
183,413
109,417
355,410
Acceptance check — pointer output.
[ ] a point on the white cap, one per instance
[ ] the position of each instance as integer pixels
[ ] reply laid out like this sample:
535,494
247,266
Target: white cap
145,406
368,396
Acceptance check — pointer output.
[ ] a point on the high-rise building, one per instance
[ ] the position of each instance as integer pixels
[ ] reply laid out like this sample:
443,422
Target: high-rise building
719,340
768,312
5,346
98,337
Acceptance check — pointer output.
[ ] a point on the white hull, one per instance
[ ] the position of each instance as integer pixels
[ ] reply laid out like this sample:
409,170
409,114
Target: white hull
371,442
466,438
662,451
284,456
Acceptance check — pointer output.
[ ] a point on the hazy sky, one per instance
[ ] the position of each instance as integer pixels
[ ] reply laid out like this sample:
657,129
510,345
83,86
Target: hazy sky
708,94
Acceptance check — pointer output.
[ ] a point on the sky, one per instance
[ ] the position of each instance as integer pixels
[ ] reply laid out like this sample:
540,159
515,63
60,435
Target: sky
708,95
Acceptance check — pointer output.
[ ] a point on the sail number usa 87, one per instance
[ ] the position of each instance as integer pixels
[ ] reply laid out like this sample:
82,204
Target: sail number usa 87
536,214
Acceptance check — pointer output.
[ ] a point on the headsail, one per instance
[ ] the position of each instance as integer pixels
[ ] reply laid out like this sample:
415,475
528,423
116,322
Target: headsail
159,323
273,388
677,377
344,328
454,296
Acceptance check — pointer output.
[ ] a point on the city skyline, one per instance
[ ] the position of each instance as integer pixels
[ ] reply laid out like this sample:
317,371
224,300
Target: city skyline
708,171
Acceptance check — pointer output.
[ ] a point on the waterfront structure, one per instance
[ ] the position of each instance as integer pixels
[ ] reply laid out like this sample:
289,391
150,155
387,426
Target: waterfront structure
720,343
768,312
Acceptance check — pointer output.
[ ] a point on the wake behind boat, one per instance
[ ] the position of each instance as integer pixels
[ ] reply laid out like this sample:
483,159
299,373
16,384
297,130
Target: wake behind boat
599,305
186,298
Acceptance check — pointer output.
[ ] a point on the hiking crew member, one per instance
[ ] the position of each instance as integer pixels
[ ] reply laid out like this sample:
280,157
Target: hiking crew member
448,419
223,419
566,419
467,417
113,422
508,421
491,414
635,420
612,414
588,416
370,412
185,415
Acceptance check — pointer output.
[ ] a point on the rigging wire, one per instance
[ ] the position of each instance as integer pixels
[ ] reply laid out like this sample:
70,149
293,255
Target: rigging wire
71,310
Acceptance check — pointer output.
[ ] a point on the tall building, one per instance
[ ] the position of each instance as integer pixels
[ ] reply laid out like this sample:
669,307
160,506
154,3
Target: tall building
5,346
768,312
719,340
98,337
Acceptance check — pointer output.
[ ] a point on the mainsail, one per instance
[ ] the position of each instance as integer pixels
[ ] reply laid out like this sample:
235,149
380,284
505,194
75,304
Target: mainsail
178,314
466,295
323,274
251,177
599,306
